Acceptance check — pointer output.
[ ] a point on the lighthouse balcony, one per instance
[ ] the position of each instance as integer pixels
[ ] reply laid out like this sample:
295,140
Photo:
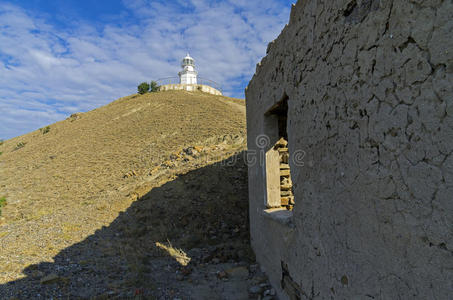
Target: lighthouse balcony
188,72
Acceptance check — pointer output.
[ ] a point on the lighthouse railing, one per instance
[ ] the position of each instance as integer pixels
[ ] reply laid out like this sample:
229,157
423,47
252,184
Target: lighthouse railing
168,80
200,80
211,83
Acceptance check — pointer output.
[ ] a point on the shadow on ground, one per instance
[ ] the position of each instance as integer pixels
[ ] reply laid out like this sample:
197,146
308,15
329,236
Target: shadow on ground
203,212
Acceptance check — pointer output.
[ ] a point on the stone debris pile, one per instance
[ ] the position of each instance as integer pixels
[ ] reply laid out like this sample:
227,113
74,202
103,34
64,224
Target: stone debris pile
183,155
74,117
286,193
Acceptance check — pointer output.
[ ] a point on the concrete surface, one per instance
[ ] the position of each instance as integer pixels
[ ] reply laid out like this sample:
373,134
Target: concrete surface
370,95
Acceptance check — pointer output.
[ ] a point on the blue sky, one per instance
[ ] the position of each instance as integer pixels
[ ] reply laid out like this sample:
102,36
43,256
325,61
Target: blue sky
58,57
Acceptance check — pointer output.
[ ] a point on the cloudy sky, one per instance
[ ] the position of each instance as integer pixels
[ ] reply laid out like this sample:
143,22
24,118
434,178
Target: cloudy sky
58,57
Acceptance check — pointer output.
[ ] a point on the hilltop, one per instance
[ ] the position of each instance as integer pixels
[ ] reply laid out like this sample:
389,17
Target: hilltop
84,158
89,197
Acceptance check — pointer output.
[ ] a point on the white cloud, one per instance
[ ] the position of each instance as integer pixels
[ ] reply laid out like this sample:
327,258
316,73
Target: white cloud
48,72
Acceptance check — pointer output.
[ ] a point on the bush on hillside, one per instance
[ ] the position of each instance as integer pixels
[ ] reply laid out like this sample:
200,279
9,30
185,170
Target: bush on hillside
143,88
45,130
2,204
154,87
20,145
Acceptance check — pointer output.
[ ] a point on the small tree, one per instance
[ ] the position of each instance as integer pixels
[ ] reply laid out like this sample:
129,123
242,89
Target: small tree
154,87
143,88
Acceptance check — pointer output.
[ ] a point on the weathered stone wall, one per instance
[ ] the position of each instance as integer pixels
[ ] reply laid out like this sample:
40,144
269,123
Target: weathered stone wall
370,96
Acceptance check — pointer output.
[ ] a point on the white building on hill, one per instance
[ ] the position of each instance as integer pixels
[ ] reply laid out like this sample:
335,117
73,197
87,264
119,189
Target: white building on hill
189,80
188,75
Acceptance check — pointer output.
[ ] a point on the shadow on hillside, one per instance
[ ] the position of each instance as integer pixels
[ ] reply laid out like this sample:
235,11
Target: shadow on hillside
203,212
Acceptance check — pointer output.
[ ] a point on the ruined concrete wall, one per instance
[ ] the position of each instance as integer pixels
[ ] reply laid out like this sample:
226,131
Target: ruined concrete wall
370,89
190,88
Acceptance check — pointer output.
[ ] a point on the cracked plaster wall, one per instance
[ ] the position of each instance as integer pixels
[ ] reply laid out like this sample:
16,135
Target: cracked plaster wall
370,87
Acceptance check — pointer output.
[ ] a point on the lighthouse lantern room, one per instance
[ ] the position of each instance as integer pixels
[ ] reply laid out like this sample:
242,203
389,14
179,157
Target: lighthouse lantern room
188,75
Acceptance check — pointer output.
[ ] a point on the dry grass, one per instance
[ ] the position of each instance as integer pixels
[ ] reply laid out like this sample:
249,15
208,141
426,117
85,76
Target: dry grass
65,184
178,254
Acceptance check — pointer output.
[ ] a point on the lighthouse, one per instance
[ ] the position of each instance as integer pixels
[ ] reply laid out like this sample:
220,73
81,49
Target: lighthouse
189,80
188,75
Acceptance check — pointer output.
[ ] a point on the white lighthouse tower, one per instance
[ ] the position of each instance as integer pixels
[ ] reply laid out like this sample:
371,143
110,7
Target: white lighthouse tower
189,80
188,75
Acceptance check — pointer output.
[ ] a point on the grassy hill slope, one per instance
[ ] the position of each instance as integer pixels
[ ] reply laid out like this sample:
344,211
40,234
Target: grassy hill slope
63,185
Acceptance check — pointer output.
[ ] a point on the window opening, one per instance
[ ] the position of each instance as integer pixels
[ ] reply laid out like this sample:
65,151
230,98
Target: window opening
278,173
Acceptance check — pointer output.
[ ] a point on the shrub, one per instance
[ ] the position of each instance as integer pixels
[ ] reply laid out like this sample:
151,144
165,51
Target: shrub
2,204
143,88
1,142
45,130
20,145
154,87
